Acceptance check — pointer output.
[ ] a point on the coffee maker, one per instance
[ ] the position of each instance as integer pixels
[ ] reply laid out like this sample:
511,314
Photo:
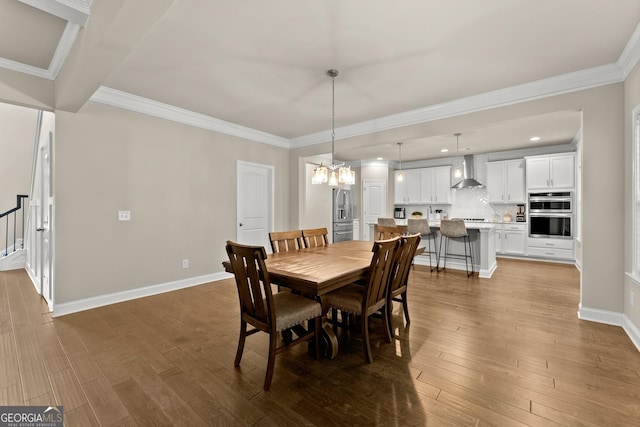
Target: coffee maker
520,213
399,213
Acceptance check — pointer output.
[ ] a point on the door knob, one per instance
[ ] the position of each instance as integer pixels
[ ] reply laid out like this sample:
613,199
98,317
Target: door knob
39,229
240,224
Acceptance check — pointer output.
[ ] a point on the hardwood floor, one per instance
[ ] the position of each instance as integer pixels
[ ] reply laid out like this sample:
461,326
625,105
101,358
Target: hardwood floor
505,351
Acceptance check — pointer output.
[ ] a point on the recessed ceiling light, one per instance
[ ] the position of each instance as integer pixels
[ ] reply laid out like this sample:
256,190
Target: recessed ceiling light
379,158
534,139
444,150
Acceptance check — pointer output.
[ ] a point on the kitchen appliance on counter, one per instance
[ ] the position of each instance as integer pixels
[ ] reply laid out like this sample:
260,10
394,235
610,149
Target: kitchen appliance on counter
551,215
520,213
342,215
399,213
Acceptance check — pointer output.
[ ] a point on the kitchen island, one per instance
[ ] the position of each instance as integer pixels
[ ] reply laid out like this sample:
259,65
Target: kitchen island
483,245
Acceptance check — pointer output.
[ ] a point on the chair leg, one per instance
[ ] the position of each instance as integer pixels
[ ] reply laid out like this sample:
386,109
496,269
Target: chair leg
273,341
430,254
318,327
241,340
466,262
471,255
386,314
389,315
439,257
405,307
334,317
365,336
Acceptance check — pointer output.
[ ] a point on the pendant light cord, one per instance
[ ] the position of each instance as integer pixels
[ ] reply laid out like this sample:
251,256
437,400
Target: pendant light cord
333,73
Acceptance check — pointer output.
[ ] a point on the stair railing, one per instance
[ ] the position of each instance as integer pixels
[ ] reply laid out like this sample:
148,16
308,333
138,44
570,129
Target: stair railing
7,215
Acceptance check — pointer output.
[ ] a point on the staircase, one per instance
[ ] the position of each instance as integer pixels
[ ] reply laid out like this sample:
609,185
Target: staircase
12,227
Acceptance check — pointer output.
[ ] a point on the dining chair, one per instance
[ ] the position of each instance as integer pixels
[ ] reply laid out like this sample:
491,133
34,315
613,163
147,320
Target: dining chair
400,275
455,229
387,222
315,237
367,300
421,226
382,232
285,241
268,312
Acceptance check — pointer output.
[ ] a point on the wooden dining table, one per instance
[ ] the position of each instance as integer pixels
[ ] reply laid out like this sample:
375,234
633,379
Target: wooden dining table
316,271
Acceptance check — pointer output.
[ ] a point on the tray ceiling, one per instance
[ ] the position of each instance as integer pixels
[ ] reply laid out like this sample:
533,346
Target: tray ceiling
262,67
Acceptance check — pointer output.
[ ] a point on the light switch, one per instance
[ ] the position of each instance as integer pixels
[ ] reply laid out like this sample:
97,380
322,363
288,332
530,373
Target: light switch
124,215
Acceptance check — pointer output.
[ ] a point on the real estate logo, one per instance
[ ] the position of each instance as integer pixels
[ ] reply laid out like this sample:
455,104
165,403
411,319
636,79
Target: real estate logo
31,416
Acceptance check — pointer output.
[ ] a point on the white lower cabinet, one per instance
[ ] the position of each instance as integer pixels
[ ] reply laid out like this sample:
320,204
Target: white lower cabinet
511,239
550,248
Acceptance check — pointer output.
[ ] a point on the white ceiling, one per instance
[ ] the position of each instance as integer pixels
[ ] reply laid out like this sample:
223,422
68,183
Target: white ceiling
262,65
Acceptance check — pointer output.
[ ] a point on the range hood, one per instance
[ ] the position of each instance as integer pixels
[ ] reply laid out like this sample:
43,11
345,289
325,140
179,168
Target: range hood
468,181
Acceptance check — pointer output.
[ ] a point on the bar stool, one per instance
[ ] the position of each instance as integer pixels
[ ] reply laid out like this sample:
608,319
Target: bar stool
422,226
454,229
387,222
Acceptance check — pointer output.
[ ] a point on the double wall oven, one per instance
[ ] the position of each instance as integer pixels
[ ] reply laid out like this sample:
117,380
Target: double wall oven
551,214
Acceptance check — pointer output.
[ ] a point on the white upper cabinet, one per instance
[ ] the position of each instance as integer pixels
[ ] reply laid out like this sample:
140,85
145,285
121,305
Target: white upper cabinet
424,186
505,181
408,190
436,185
551,172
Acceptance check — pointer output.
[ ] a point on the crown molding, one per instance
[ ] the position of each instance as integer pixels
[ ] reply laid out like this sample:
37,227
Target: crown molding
557,85
630,56
65,44
565,83
127,101
76,11
25,69
62,50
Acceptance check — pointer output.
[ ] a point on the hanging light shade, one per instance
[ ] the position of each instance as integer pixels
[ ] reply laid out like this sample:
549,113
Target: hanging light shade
320,174
400,174
458,170
333,174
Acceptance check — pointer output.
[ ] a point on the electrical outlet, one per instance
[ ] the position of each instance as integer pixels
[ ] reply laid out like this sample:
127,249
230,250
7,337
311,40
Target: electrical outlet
185,263
124,215
633,299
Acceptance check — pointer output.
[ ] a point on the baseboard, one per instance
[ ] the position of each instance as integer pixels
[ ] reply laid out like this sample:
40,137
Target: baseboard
102,300
611,318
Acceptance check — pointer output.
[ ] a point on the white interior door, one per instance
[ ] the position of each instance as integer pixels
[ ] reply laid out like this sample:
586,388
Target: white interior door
255,204
374,202
44,227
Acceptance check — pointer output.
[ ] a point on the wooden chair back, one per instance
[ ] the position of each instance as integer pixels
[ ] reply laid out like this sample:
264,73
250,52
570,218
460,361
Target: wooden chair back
402,263
254,287
285,241
315,237
378,275
267,312
382,232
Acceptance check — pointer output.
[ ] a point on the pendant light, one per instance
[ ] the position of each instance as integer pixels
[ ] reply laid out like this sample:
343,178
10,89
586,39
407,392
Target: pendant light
333,174
400,174
458,170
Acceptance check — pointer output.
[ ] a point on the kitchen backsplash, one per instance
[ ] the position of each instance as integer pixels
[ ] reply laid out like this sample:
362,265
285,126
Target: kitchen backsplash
468,203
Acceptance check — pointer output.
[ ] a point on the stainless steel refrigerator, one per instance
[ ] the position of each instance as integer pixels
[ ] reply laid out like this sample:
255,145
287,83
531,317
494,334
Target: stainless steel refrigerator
342,215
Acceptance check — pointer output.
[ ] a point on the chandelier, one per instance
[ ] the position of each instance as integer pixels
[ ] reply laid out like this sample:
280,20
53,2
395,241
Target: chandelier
333,174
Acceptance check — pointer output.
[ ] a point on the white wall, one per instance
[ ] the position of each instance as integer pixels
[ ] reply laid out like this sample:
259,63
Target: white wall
632,100
17,139
179,182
